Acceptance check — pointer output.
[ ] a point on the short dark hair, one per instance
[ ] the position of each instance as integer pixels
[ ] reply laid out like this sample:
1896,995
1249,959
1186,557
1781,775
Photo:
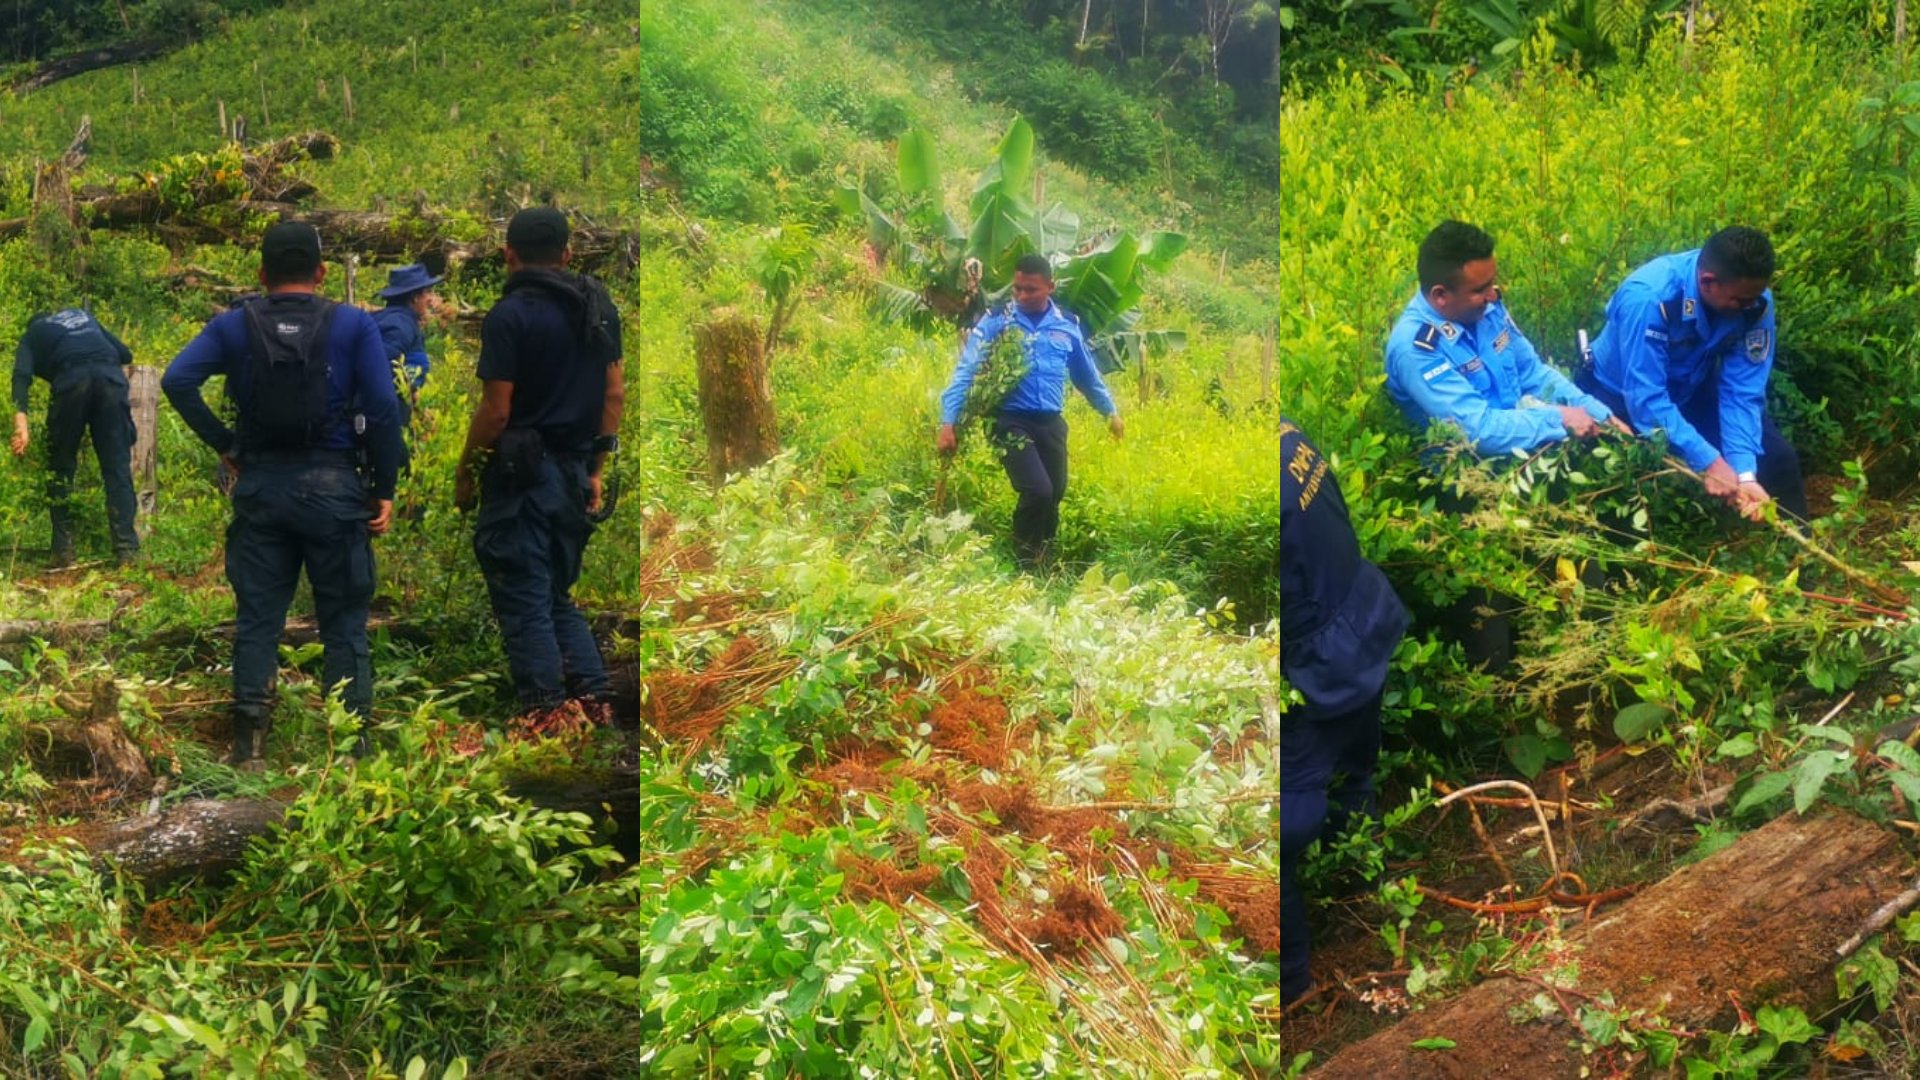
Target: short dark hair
1036,264
538,235
290,253
1448,248
1738,253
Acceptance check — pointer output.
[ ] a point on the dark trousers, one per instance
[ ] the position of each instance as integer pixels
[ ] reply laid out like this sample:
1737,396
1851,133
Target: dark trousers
1326,778
1778,469
96,405
529,545
1033,449
289,514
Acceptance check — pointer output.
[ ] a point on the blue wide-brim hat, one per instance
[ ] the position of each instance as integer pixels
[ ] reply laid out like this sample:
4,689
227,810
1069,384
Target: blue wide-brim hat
408,279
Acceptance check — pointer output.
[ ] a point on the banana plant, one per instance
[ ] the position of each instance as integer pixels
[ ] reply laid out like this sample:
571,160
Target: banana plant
954,271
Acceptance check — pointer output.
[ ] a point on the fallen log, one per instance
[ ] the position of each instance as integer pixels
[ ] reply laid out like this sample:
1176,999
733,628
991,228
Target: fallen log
1761,919
208,837
66,67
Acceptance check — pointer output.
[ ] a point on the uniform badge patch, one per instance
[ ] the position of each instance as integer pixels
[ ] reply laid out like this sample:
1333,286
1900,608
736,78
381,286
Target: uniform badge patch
1425,338
1500,343
1060,338
1449,331
1435,372
1757,345
1472,365
1686,308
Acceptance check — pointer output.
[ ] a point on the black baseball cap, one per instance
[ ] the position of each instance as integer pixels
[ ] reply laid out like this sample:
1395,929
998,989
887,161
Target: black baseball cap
539,232
290,248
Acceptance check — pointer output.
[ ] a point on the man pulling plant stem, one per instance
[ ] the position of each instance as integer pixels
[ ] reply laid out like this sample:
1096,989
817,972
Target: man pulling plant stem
1456,356
1028,427
1687,348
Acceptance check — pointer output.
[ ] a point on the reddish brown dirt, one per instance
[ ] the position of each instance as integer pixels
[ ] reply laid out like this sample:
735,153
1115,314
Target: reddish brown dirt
162,925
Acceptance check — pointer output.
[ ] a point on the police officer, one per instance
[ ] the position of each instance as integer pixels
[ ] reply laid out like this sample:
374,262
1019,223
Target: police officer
1456,355
408,294
85,365
296,365
551,398
1029,428
1340,623
1687,348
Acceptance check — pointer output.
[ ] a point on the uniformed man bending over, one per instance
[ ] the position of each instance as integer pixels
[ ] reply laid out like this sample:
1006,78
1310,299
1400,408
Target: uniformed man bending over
86,368
1687,348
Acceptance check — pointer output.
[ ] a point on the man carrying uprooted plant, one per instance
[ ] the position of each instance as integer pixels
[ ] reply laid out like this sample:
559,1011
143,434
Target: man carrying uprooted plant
1028,427
296,365
1687,348
85,366
551,399
1340,623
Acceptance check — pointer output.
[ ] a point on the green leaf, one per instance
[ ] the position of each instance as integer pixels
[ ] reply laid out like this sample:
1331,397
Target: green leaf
1636,721
1901,754
919,164
1869,969
1435,1043
1764,790
1785,1023
36,1034
1159,250
1527,752
1741,745
416,1068
456,1071
1812,774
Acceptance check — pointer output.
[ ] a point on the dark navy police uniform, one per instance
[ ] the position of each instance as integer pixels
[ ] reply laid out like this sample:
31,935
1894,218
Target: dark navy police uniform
298,506
82,361
531,533
1340,623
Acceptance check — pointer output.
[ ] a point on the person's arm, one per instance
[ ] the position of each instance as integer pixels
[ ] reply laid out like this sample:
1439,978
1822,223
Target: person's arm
22,391
489,420
1743,401
1544,381
497,367
1086,378
120,351
954,398
374,393
1439,392
203,358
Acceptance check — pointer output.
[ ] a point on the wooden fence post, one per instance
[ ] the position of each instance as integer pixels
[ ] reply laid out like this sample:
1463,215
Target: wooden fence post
143,395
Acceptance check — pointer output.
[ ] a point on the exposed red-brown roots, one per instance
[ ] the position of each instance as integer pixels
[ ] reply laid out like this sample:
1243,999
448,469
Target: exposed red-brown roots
1251,901
875,879
972,726
668,557
1077,918
691,708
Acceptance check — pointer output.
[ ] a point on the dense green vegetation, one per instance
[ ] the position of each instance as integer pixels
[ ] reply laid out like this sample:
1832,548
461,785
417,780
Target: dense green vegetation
1726,639
903,811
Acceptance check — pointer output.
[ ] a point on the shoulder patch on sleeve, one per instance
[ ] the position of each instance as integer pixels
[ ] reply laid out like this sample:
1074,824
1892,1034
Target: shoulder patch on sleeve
1436,371
1663,312
1426,338
1506,336
1758,343
1686,308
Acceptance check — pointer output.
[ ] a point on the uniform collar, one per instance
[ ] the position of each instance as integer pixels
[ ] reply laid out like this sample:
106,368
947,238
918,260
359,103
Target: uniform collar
1036,320
1449,329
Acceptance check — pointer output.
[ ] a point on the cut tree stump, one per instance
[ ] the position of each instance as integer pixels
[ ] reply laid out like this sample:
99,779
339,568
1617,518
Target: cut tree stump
1761,919
736,398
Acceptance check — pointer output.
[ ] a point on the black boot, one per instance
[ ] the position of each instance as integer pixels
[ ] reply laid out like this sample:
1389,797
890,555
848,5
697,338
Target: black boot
250,726
62,537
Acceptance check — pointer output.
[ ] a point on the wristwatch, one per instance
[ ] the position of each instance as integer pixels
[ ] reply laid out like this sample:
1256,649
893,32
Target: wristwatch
606,444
